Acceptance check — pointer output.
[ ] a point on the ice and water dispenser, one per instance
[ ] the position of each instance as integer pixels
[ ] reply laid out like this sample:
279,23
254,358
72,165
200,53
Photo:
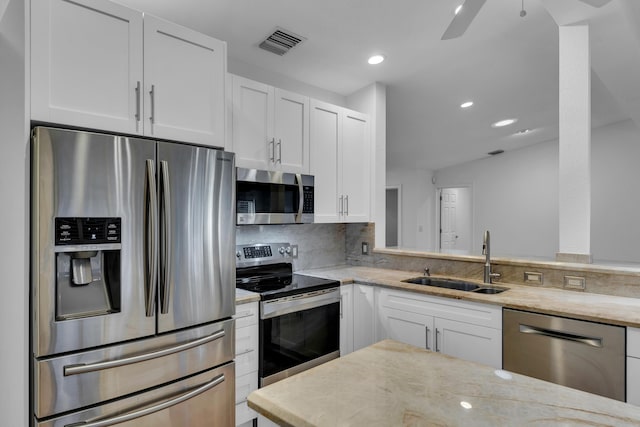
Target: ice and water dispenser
87,266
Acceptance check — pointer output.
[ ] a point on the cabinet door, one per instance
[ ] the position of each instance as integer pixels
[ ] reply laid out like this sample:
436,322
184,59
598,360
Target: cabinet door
184,75
633,380
409,328
346,319
252,124
86,64
470,342
325,141
291,132
364,316
356,172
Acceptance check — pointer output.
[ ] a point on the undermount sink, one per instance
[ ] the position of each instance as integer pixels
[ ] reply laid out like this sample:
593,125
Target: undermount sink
459,285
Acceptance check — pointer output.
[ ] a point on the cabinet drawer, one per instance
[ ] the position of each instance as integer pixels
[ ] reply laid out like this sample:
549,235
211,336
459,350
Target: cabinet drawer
633,342
246,314
245,384
446,308
246,349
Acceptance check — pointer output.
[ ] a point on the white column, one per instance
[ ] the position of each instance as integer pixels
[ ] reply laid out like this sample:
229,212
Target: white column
575,145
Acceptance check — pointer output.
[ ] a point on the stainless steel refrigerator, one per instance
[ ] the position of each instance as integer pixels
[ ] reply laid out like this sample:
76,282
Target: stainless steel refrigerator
133,282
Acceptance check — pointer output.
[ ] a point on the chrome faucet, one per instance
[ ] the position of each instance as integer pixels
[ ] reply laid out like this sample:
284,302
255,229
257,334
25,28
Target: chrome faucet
427,273
486,251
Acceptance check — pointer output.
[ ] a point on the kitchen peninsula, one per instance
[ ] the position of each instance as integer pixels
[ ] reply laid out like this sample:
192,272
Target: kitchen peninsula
393,384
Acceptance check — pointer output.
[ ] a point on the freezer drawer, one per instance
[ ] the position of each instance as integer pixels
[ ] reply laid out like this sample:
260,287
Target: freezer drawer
206,399
74,381
584,355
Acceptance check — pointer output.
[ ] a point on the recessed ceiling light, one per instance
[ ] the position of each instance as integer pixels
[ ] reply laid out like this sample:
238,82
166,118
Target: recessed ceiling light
458,9
466,104
376,59
505,122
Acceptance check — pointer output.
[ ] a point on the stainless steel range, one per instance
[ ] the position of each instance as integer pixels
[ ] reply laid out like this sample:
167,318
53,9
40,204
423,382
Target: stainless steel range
299,315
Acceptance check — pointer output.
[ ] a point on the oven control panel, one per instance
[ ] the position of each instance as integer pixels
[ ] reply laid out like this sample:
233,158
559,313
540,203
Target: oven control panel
265,253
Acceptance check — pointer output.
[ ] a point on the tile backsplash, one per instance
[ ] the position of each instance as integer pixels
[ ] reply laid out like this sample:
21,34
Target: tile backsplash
319,245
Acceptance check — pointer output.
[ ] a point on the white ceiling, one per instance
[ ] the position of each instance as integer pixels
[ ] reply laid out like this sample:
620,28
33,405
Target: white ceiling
507,64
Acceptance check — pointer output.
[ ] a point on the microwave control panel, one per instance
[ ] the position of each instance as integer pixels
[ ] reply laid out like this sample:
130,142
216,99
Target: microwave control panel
307,203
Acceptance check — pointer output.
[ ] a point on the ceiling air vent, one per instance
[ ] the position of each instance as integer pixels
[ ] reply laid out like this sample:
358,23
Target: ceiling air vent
281,41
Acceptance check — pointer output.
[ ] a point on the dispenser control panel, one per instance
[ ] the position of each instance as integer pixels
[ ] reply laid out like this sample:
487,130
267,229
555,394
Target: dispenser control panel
83,231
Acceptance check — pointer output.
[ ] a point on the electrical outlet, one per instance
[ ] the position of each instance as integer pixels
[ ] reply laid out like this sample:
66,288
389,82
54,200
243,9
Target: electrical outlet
294,251
365,248
533,277
574,282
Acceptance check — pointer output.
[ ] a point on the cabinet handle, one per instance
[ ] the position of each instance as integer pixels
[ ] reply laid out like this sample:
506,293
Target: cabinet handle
426,337
341,306
138,101
273,150
341,205
152,93
346,203
279,151
437,335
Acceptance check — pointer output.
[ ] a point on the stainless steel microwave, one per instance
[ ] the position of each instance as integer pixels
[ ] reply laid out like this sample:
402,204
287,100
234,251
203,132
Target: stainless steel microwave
269,197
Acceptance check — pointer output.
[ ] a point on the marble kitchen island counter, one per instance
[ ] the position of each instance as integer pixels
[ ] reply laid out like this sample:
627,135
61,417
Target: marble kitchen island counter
395,384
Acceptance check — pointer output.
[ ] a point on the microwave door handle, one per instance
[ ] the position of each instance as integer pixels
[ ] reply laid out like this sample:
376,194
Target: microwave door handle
300,198
150,238
165,258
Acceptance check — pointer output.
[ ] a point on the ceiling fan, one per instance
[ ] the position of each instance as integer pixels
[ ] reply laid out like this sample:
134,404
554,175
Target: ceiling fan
470,8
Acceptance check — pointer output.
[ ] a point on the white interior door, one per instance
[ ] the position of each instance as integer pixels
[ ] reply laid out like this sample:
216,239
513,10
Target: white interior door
455,220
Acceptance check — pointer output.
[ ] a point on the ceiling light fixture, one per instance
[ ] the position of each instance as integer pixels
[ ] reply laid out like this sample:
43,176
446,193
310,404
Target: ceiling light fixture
466,104
503,123
523,131
458,9
376,59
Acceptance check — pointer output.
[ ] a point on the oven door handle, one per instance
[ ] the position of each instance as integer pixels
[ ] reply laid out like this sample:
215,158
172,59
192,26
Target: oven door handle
286,305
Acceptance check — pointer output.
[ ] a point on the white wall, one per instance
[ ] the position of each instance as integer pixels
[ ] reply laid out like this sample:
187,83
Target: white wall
14,154
615,193
418,207
372,100
515,195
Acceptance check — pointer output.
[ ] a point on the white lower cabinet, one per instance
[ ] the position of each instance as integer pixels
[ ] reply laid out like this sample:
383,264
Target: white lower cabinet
633,366
365,316
246,360
346,319
467,330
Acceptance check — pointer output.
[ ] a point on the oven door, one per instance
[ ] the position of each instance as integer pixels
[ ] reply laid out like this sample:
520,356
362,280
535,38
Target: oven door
297,333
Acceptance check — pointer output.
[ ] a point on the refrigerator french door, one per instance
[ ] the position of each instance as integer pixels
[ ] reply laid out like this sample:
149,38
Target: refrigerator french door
132,269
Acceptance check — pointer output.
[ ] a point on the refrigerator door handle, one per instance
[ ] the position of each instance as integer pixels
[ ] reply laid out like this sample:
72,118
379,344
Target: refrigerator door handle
151,238
165,255
155,408
99,366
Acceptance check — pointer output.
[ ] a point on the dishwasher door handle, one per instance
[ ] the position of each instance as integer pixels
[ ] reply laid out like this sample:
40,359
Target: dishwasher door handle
590,341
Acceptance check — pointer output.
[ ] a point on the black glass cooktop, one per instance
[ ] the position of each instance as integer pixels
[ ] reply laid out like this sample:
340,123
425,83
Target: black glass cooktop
277,280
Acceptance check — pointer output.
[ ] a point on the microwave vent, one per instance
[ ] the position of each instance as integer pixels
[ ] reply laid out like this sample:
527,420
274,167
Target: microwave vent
281,41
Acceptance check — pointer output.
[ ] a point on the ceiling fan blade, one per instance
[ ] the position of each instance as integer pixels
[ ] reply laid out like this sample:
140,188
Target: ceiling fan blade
463,19
595,3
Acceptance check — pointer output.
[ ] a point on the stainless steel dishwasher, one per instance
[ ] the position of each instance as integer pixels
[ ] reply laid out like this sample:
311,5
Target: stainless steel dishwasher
584,355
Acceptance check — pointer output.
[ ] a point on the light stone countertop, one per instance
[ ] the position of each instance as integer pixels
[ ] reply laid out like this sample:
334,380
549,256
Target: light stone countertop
243,296
395,384
580,305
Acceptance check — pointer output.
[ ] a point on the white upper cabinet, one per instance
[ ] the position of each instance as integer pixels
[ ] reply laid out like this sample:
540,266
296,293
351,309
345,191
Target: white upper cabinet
87,62
270,127
291,132
184,74
340,161
326,142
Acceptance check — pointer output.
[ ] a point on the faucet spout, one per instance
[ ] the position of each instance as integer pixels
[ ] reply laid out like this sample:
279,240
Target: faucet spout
486,251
